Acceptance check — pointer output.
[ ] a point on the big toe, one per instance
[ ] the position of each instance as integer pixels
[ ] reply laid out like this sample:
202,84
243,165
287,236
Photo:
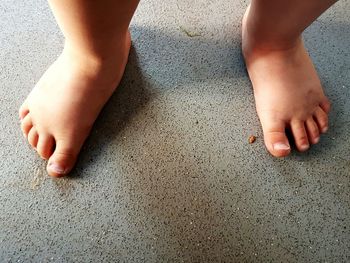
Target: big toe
275,138
62,160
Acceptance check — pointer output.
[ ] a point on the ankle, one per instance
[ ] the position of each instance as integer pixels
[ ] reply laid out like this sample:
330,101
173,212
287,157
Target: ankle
256,45
257,42
251,49
98,53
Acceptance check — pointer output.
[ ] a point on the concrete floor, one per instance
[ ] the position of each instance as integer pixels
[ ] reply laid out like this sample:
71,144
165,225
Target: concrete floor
167,174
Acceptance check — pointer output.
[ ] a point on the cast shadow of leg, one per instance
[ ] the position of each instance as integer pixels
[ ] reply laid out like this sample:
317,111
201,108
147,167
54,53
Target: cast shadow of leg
129,98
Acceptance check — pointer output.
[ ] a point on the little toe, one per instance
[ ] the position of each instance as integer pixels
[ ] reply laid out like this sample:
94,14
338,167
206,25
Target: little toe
312,131
26,124
23,110
321,118
325,105
300,135
275,138
62,160
45,146
33,137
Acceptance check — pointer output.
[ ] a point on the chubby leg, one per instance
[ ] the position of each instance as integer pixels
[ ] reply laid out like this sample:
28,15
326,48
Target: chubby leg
59,112
287,89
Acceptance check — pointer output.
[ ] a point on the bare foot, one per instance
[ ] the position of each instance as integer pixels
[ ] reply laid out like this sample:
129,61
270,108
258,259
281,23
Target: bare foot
59,112
288,93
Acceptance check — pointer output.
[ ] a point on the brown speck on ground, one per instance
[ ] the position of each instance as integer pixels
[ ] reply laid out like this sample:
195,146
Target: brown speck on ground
252,139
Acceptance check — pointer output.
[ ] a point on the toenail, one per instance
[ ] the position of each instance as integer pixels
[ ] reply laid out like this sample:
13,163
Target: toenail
316,140
324,129
56,168
304,147
281,146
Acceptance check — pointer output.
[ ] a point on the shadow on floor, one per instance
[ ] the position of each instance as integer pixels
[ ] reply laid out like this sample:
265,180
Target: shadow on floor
174,183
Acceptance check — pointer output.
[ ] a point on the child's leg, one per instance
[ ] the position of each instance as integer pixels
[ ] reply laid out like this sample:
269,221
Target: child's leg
59,112
287,90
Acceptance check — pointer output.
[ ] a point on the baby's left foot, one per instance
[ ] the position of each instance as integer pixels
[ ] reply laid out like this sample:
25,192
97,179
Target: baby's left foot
288,94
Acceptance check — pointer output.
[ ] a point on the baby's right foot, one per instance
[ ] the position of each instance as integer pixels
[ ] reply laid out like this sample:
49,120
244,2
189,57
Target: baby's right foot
59,112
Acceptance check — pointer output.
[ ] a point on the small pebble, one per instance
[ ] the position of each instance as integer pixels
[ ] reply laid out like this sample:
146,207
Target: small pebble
252,139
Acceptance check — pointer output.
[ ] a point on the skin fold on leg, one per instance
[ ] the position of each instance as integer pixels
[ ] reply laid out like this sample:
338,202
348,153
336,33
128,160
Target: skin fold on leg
59,112
287,90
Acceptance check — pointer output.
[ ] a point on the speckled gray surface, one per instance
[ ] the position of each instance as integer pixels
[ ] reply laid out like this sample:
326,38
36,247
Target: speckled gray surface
167,174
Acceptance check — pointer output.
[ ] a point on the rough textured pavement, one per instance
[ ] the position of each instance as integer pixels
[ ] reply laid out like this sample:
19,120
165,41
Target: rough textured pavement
167,174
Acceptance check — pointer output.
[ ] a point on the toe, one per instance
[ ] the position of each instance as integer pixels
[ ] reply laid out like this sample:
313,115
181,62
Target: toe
45,146
312,131
325,105
321,118
275,138
62,160
33,137
300,135
23,110
26,124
